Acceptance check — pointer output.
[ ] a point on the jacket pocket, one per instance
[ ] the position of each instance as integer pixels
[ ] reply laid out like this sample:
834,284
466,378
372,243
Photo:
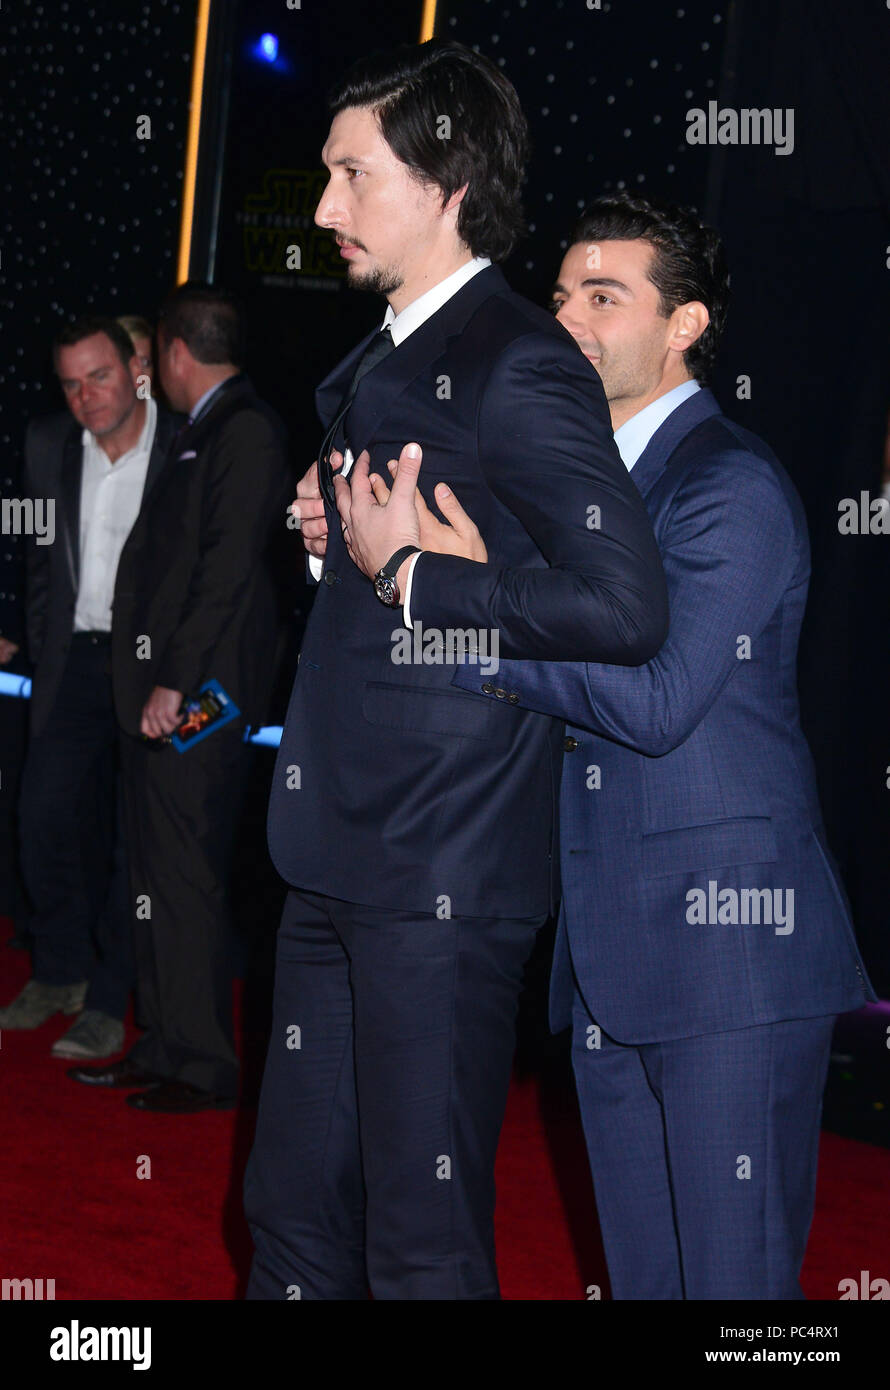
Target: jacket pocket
412,709
747,840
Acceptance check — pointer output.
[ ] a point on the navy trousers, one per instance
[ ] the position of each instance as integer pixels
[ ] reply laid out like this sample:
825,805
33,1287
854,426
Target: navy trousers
382,1102
703,1154
81,923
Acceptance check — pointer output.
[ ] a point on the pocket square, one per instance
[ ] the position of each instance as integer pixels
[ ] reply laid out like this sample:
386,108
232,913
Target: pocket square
189,454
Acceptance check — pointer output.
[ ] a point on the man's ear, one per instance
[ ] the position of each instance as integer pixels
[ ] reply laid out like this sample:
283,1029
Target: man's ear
689,323
134,367
456,199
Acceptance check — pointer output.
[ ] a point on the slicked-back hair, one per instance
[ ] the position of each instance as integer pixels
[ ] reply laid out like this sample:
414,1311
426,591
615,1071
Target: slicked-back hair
482,142
208,320
688,264
87,326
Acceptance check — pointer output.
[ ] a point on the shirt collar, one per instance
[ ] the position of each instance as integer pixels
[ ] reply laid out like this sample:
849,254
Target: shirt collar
422,308
202,401
633,436
144,442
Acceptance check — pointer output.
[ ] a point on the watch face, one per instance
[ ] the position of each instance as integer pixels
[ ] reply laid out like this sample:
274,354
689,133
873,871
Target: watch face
385,588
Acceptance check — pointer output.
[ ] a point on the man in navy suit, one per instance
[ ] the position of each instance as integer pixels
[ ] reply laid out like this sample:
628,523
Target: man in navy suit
704,944
413,823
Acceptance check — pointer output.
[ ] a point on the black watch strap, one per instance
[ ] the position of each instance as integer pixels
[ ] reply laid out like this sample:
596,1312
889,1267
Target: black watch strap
385,586
391,568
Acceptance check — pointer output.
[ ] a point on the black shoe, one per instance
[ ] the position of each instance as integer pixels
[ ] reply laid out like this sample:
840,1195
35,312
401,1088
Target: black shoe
122,1073
179,1098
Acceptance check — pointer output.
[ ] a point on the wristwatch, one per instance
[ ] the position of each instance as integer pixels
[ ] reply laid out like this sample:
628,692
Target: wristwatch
385,586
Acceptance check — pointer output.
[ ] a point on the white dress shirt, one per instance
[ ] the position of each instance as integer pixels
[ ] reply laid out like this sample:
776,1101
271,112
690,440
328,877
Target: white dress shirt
110,498
401,325
633,436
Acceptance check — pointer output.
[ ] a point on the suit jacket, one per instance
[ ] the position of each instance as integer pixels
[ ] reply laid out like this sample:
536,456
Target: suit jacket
392,788
12,557
195,574
53,470
693,768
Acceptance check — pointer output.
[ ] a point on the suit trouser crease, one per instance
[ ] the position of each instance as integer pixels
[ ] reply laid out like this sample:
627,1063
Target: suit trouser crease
373,1160
703,1153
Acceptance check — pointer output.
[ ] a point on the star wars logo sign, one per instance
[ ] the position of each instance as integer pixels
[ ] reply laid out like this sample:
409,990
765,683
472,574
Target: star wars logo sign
279,235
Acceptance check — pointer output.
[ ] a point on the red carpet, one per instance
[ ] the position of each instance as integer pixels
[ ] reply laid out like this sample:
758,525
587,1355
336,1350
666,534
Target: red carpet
74,1209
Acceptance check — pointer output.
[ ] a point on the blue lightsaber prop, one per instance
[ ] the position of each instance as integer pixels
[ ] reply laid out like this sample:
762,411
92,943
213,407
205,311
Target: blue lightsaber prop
19,688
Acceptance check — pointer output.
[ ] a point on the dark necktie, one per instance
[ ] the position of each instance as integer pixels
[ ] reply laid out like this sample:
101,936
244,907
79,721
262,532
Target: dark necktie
380,346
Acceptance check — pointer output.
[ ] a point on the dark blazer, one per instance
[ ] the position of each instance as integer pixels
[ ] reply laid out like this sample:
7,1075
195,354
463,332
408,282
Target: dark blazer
391,788
53,470
12,564
195,574
693,768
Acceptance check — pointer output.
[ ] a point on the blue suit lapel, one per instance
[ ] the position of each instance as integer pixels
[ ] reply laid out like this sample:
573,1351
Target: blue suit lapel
681,422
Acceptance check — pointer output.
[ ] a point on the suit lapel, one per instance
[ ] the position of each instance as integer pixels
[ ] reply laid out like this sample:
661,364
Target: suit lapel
71,481
681,422
329,394
413,356
166,429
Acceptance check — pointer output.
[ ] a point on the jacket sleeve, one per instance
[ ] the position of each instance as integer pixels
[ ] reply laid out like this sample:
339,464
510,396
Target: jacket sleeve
544,441
730,550
245,485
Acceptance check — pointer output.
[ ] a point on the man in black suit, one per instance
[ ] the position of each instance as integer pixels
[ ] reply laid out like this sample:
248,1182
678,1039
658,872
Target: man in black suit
416,828
14,711
195,602
87,479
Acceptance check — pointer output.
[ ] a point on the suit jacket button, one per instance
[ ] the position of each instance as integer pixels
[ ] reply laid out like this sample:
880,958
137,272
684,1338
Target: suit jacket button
501,693
570,744
330,577
512,698
488,688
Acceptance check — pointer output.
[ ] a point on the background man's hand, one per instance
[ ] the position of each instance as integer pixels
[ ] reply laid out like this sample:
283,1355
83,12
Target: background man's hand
160,715
7,650
457,535
309,507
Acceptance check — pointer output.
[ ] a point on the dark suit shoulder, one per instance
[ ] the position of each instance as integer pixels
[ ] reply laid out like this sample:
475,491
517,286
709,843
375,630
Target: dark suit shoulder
50,430
724,442
251,416
243,408
719,454
507,316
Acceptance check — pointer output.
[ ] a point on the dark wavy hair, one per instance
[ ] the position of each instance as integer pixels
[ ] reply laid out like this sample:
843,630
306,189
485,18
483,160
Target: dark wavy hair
689,261
208,319
486,147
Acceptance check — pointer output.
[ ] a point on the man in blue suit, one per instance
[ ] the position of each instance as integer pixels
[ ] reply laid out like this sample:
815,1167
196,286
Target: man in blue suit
413,824
704,944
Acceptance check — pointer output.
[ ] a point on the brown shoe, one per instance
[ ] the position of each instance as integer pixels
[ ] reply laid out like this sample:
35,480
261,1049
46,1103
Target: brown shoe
179,1098
122,1073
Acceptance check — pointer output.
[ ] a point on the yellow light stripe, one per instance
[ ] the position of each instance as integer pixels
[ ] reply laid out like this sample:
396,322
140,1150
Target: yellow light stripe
428,21
189,178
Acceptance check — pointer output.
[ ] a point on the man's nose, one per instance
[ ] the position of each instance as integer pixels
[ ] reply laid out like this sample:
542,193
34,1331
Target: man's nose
570,320
327,213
